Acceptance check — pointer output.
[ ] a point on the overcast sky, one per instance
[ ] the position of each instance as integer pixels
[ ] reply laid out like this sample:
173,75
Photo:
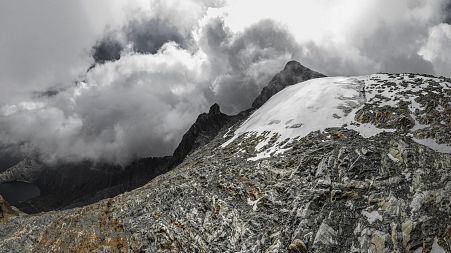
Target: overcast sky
154,65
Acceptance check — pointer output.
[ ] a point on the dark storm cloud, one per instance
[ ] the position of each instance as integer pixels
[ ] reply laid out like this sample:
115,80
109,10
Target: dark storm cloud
143,36
448,13
394,48
148,36
243,63
380,43
107,49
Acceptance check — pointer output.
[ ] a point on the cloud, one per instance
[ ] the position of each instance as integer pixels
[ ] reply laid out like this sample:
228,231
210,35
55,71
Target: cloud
161,63
347,37
141,104
133,107
154,24
437,49
107,49
44,43
447,12
243,63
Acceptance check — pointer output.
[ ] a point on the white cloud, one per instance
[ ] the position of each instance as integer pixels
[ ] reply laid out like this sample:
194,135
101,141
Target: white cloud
438,50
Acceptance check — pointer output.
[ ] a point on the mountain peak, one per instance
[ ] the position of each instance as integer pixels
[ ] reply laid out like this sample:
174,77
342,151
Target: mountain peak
214,109
294,72
205,128
293,65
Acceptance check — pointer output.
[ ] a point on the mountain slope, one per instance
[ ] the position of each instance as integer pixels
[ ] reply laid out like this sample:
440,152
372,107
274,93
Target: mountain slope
331,187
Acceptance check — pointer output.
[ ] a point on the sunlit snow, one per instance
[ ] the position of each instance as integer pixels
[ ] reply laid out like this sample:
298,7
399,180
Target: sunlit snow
327,102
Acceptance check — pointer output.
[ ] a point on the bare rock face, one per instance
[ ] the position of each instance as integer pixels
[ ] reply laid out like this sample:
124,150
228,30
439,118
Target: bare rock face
293,73
297,246
333,190
26,170
6,211
205,128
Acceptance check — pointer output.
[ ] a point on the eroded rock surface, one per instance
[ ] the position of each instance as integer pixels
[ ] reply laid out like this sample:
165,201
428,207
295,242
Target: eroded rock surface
6,211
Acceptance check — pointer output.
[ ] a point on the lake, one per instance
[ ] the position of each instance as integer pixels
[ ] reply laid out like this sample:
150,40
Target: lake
15,192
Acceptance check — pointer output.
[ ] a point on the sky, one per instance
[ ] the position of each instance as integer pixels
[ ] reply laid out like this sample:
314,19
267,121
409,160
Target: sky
114,80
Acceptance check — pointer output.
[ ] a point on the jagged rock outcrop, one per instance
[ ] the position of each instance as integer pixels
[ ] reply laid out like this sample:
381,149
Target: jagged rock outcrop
204,129
6,211
293,73
26,170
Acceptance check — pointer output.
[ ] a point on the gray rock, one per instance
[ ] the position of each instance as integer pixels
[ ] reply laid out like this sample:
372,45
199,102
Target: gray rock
297,246
6,211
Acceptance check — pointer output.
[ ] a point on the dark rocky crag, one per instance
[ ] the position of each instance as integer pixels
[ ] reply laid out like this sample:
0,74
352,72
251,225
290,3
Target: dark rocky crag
6,211
205,128
293,73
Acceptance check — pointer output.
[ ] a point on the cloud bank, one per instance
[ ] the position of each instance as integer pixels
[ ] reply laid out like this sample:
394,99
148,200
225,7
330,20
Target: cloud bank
154,65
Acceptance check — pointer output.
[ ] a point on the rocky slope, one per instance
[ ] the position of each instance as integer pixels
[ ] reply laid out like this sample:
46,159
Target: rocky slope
345,164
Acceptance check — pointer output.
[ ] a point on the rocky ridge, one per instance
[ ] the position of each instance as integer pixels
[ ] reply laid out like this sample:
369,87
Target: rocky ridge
375,177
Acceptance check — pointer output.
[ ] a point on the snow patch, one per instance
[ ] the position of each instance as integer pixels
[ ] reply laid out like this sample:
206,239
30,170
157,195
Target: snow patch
394,159
432,144
437,248
372,217
369,130
307,107
322,103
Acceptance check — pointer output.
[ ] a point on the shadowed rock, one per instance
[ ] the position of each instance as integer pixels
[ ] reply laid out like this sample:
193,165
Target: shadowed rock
6,210
201,132
293,73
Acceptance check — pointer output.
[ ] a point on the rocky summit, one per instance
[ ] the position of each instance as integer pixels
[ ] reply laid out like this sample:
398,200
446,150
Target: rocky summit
335,164
293,73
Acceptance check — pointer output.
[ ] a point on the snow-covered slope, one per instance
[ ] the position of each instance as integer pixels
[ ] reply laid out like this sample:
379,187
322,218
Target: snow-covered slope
323,103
